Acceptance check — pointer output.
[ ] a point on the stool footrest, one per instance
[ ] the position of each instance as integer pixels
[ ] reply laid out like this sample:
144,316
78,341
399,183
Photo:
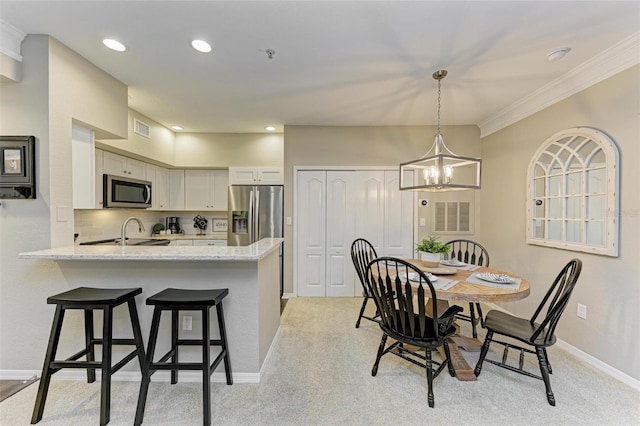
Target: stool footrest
58,365
197,342
175,366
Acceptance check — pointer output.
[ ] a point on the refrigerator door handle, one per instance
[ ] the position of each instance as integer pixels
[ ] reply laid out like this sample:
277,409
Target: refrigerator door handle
257,218
251,219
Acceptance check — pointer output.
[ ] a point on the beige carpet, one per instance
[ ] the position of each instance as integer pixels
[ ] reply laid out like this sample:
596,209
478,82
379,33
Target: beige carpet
320,374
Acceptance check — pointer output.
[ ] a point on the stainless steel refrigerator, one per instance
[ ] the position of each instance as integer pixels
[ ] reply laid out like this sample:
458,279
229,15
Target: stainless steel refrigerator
255,212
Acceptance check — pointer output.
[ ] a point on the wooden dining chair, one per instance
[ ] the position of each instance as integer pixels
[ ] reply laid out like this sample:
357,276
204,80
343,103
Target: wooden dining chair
470,252
362,252
538,335
394,283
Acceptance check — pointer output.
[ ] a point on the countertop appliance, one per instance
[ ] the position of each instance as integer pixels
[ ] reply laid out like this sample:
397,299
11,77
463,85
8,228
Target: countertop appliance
256,212
173,225
125,192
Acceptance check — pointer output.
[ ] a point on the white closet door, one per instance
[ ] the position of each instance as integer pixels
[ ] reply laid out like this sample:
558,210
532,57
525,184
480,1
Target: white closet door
311,230
370,208
340,233
398,218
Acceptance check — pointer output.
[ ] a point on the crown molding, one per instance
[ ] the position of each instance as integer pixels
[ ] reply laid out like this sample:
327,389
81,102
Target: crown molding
615,59
10,40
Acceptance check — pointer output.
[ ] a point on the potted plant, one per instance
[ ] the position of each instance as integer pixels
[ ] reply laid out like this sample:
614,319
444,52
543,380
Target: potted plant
158,228
431,251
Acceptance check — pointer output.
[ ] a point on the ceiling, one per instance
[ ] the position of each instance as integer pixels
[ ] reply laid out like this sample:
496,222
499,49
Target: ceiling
336,62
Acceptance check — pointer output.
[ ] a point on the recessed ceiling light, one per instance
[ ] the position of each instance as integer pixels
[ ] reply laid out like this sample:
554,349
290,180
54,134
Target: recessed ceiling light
270,128
558,54
201,46
114,44
174,127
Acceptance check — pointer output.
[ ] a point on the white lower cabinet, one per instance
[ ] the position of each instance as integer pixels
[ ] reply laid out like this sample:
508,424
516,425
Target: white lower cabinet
209,242
198,242
336,207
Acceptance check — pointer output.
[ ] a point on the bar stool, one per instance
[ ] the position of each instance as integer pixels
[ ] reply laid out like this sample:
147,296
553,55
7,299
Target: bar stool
176,300
90,299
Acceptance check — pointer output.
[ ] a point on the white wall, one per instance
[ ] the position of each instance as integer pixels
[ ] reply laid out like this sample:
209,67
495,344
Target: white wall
221,150
159,148
364,146
58,87
609,287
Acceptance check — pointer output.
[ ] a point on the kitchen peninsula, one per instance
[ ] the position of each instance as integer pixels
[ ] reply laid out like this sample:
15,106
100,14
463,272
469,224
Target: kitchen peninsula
251,273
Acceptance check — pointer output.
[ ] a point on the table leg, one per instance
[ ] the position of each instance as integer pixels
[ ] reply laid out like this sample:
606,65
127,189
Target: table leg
463,370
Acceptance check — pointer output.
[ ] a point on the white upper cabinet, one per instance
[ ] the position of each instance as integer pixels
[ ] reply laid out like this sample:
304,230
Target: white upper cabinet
256,176
118,165
206,189
159,178
176,189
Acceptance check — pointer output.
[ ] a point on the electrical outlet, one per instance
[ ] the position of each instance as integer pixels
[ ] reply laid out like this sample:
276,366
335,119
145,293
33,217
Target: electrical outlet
187,322
582,311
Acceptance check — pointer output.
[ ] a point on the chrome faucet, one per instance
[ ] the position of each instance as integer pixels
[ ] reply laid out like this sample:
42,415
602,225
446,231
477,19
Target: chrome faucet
123,231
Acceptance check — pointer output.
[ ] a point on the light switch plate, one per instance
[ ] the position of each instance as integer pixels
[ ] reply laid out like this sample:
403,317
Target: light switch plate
582,311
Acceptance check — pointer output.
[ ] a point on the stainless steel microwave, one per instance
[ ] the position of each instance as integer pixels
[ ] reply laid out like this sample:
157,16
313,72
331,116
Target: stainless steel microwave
125,192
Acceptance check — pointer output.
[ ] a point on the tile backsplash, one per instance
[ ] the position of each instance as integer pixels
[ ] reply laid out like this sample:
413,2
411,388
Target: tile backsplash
106,223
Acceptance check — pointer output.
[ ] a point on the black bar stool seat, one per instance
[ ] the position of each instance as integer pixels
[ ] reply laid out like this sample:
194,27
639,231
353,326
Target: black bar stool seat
90,299
176,300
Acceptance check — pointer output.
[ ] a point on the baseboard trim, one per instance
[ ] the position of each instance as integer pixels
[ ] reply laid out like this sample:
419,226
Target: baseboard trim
589,359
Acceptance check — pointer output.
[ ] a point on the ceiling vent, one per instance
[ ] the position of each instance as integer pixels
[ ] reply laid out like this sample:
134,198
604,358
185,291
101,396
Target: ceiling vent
141,128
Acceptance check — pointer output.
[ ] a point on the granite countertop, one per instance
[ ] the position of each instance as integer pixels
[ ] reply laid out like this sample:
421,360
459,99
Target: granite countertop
253,252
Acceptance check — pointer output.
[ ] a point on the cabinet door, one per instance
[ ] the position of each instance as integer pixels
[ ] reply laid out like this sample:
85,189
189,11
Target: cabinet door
99,182
340,233
197,189
209,242
270,176
161,188
135,169
243,175
219,188
311,229
114,164
176,189
159,178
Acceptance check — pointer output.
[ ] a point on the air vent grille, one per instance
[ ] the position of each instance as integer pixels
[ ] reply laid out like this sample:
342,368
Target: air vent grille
141,128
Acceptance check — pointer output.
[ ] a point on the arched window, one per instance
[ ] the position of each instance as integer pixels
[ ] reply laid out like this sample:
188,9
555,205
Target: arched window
572,193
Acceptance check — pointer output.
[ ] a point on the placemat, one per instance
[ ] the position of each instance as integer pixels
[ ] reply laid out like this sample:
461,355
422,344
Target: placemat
473,279
444,283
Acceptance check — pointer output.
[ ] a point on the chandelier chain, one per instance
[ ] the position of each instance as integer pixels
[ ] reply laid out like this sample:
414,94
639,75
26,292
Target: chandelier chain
439,84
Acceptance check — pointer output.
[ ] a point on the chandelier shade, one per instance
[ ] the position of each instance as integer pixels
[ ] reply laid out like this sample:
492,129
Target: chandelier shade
440,169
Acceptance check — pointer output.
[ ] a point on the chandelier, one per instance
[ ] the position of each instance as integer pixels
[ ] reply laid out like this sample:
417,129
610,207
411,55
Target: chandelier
440,169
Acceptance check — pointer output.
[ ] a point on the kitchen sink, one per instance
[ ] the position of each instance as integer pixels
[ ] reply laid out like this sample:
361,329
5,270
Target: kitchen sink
129,242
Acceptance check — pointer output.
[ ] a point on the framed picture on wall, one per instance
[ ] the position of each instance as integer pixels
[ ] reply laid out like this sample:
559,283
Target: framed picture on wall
17,167
12,161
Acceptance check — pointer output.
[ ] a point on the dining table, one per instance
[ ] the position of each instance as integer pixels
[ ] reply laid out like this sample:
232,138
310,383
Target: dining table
462,283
